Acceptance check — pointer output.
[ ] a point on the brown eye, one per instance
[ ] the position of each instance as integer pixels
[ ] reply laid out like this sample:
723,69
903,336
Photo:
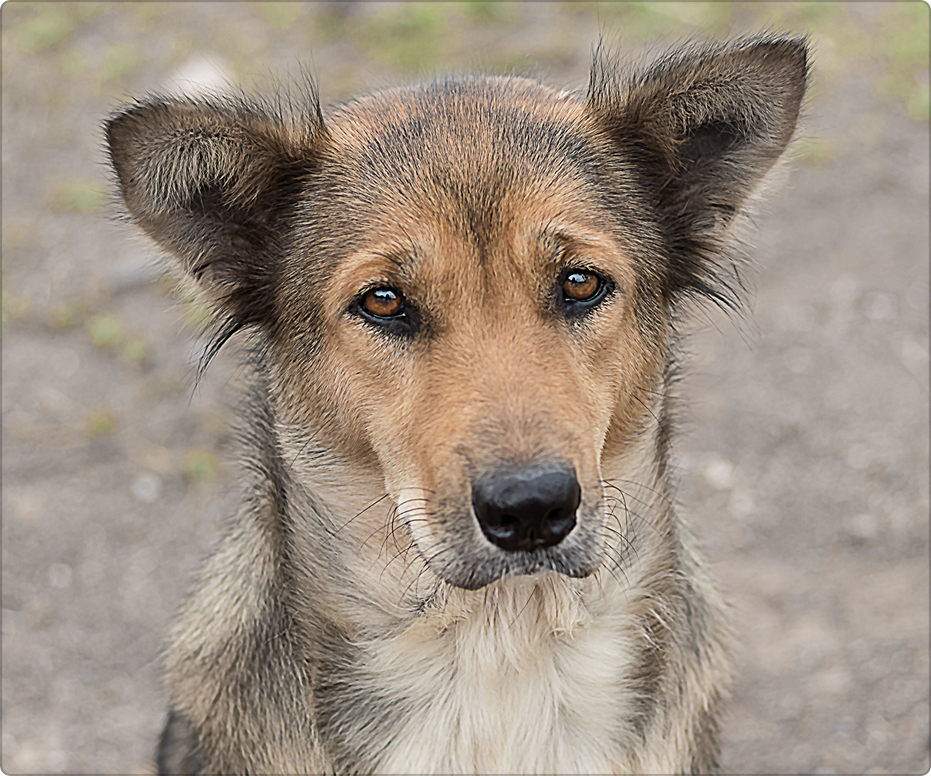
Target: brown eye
387,311
383,303
581,286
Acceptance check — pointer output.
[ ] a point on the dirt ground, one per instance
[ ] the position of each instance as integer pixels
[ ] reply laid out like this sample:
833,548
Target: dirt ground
804,453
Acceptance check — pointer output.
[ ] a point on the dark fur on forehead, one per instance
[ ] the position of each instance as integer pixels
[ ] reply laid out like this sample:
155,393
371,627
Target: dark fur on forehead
459,146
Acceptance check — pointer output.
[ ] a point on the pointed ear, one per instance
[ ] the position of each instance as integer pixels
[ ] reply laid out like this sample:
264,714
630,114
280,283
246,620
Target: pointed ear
211,180
703,127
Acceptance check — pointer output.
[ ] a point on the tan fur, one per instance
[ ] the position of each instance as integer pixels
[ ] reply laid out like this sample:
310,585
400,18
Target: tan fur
393,596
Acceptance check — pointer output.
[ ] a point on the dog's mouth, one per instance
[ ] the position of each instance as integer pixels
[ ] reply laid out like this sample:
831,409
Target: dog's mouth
478,567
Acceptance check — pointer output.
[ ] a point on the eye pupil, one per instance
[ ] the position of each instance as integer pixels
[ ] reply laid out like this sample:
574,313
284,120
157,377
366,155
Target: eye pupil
383,302
579,286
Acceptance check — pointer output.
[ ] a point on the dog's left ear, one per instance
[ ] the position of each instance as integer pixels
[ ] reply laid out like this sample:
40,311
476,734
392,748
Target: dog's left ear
702,127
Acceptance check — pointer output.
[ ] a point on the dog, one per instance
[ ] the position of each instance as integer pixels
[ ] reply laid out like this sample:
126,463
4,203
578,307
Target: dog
457,550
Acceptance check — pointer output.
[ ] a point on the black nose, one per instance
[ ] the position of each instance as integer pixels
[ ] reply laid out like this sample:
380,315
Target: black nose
523,509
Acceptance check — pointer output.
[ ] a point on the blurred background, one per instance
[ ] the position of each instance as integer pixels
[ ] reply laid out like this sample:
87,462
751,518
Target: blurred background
803,456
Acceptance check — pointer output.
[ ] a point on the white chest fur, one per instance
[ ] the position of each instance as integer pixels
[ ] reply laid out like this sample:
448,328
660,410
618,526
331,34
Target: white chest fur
519,677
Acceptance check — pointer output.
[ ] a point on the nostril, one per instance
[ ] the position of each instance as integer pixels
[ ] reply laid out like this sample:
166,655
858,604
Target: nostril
504,532
559,523
526,509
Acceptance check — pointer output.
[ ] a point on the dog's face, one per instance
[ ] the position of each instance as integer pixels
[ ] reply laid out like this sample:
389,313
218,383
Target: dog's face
467,284
480,319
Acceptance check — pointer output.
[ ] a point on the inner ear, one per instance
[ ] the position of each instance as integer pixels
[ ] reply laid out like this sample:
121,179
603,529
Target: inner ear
707,142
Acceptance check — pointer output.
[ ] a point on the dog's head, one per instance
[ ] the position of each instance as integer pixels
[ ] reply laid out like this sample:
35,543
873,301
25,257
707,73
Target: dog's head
469,283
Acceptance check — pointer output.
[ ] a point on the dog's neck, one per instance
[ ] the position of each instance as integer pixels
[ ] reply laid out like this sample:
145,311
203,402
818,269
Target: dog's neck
457,667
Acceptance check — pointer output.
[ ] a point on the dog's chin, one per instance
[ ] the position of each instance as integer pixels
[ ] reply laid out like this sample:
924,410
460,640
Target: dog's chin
469,575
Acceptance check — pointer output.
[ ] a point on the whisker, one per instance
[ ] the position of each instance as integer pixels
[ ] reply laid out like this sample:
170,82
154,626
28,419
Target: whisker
517,617
663,394
625,529
290,464
362,512
646,407
662,495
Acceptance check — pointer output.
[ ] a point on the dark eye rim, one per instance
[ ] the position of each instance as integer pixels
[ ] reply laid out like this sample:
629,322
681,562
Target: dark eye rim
577,307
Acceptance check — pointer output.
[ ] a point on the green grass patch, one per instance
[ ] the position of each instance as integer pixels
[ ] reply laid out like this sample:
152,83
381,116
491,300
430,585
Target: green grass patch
134,351
644,21
148,15
710,18
406,35
14,308
903,44
78,197
817,16
37,27
72,63
42,26
200,465
106,330
64,317
918,104
281,16
488,11
99,423
119,60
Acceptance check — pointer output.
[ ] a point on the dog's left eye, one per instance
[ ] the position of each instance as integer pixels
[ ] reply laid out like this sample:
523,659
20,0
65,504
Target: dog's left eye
582,289
581,286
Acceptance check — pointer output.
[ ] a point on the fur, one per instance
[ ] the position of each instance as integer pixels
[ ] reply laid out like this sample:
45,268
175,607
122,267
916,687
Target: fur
462,298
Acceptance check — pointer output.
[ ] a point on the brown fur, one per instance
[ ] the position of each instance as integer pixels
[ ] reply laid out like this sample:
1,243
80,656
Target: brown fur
362,614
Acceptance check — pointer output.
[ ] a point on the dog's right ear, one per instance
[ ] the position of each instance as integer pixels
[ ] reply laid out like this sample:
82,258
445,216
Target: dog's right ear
210,180
703,127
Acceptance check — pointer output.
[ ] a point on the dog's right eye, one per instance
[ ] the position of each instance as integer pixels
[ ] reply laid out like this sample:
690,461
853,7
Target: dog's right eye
581,286
387,309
